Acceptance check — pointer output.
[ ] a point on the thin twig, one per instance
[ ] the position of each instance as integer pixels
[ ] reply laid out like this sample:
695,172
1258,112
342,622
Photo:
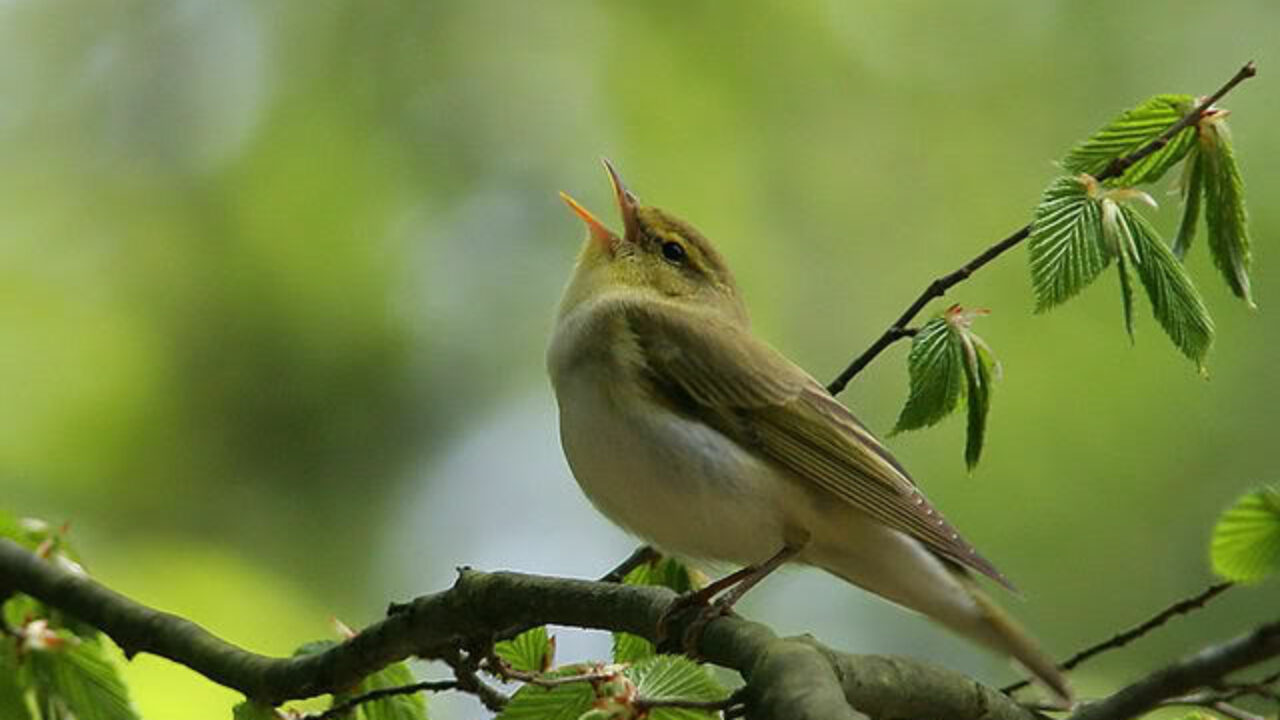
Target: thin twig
641,555
503,669
1263,688
1208,701
464,669
940,286
1204,669
1119,640
341,709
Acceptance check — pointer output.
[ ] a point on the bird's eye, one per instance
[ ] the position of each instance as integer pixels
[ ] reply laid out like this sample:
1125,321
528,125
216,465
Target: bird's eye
673,251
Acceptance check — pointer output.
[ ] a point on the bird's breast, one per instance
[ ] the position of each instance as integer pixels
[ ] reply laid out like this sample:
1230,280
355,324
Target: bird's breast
672,480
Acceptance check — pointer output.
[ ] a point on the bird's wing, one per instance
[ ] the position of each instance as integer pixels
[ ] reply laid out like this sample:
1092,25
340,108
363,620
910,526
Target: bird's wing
728,379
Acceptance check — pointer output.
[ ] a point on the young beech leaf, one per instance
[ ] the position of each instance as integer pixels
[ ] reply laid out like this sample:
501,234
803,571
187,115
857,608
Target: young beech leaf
674,677
13,703
407,706
948,362
530,651
1246,540
1174,300
1129,132
979,373
78,681
665,572
1192,197
936,376
1224,210
1067,247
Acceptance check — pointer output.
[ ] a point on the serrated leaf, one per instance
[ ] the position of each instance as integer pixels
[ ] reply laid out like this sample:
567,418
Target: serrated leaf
530,651
666,572
78,682
1246,540
13,703
1175,302
1192,197
1130,131
934,366
675,677
250,710
1225,216
1067,247
562,702
1126,291
979,378
628,648
407,706
1121,244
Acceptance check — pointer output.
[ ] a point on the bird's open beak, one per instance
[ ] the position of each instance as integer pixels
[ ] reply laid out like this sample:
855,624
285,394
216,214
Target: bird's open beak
600,234
627,202
627,205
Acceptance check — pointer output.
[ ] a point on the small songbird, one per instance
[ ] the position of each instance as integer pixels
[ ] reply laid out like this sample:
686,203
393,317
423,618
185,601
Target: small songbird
689,431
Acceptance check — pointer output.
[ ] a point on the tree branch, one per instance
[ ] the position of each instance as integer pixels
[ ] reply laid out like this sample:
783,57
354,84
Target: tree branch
793,678
1202,669
797,679
941,285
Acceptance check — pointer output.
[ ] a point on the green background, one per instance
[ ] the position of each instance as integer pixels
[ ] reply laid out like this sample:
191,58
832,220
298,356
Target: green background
276,279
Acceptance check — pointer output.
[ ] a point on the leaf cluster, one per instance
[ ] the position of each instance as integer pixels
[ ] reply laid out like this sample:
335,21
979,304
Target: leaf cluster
1085,222
53,667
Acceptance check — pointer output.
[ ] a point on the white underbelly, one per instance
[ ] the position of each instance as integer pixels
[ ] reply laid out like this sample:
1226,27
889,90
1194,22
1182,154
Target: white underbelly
675,482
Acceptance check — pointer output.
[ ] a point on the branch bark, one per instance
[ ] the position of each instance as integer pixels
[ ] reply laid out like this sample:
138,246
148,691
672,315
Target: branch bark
793,678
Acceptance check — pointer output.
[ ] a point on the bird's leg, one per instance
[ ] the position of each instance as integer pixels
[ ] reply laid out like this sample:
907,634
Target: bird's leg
734,586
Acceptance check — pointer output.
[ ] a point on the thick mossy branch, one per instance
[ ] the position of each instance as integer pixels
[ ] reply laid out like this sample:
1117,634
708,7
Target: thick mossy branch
793,678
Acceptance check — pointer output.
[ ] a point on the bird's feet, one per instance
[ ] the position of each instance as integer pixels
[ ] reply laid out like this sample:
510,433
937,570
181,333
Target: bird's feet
692,635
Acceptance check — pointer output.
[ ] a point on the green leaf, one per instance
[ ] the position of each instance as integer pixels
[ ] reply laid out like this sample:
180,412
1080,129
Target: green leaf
1129,132
78,682
562,702
1192,197
674,677
1066,247
408,706
628,648
250,710
1121,244
979,375
1246,540
13,702
315,647
666,572
530,651
1224,207
1174,300
936,378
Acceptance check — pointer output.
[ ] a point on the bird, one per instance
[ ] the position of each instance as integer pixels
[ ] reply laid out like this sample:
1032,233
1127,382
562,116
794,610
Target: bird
684,428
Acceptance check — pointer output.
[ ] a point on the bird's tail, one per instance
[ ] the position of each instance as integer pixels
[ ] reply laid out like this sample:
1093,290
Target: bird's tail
993,627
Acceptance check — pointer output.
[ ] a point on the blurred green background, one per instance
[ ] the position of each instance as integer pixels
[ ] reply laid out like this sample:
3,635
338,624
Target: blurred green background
276,279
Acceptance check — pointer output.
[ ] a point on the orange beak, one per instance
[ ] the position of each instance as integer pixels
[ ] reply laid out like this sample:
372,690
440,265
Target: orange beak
627,205
600,234
627,202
